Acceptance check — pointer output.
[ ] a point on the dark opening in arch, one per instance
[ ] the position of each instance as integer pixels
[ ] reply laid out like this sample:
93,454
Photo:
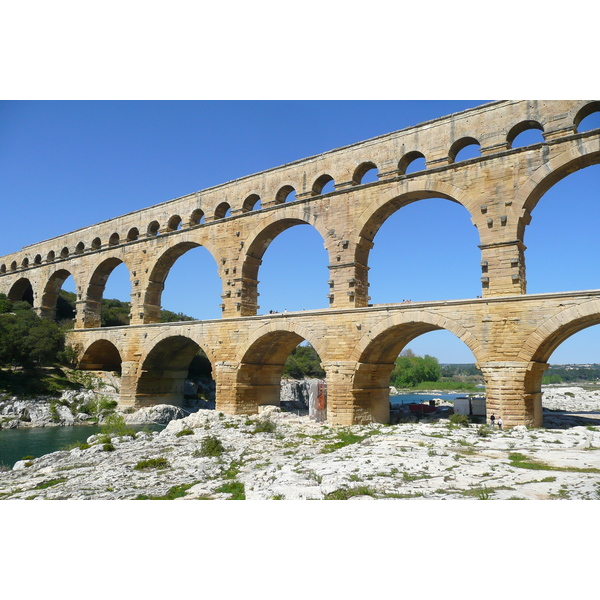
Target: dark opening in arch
251,203
176,371
101,355
323,185
21,291
222,211
282,369
286,194
153,229
197,217
174,223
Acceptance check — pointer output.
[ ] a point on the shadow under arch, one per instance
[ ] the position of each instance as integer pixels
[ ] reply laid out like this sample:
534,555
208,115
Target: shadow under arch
378,350
101,355
165,368
258,377
21,291
156,282
258,242
94,293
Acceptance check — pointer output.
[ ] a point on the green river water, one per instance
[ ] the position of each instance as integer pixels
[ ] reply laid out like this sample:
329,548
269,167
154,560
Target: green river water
37,441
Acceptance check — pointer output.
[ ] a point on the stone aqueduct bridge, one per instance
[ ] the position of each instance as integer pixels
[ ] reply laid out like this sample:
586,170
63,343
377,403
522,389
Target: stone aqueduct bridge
511,334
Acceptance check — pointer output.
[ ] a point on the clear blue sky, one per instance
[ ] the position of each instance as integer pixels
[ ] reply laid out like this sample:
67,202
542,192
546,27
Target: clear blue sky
66,165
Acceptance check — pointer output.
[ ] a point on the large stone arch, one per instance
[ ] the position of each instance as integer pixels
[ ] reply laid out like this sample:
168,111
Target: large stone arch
51,292
393,199
101,355
94,288
584,153
259,240
261,361
22,290
384,204
376,352
160,269
514,388
541,343
383,342
164,368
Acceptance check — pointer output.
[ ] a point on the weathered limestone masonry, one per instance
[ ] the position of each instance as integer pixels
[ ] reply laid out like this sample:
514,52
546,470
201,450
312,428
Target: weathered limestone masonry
511,334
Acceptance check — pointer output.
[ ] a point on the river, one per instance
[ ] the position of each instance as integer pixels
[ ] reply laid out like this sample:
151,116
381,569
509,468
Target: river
419,398
37,441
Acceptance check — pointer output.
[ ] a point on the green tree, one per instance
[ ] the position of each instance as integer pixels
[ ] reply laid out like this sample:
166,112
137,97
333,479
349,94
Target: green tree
303,362
25,339
167,316
410,370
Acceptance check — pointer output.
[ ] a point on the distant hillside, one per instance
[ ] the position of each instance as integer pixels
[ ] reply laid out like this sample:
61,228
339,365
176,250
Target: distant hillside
554,374
572,373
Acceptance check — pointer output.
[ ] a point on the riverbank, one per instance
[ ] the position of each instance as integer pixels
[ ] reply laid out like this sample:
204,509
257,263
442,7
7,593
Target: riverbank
278,455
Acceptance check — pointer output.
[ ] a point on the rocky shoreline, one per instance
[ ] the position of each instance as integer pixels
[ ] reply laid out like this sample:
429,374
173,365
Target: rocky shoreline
282,455
75,408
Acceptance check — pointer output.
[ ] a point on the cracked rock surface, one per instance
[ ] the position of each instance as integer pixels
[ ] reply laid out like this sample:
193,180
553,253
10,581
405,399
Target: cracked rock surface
278,455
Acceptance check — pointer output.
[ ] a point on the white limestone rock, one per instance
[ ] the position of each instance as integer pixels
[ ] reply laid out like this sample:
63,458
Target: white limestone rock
161,414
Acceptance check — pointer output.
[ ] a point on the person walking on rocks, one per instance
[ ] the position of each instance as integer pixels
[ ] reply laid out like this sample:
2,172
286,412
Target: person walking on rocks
499,422
492,420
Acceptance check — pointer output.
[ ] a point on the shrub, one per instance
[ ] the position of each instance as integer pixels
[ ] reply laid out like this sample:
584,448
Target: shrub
115,425
184,432
46,484
211,446
54,416
346,493
177,491
152,463
235,488
80,445
457,419
483,431
264,426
